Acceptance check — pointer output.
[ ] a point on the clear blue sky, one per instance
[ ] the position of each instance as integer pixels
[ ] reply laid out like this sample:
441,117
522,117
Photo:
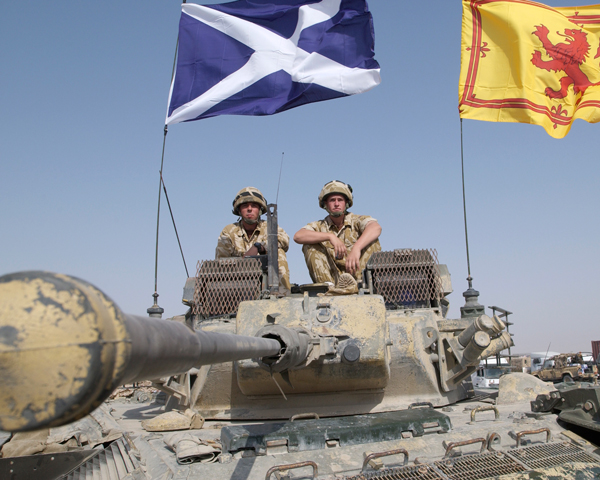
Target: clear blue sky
84,87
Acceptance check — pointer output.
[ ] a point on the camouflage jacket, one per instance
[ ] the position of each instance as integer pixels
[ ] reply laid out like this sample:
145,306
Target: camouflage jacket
353,227
234,242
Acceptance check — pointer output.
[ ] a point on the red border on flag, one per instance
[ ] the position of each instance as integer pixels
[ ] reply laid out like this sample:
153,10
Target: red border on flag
469,98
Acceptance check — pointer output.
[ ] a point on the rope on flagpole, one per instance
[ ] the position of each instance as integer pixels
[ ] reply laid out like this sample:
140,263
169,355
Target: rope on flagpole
155,310
174,226
462,162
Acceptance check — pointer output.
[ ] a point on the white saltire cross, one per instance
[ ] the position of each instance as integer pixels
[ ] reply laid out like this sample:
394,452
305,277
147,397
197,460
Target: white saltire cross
273,53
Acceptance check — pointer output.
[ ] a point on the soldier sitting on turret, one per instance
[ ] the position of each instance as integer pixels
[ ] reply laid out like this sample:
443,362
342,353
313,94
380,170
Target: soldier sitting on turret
248,236
340,243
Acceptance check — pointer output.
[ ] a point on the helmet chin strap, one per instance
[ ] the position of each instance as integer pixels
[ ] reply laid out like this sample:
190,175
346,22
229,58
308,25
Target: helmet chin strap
249,221
336,214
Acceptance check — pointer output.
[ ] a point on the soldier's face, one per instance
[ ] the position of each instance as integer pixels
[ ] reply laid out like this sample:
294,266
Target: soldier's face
336,204
250,212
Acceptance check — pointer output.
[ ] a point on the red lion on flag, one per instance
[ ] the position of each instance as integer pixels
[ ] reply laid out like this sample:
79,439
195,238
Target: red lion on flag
566,57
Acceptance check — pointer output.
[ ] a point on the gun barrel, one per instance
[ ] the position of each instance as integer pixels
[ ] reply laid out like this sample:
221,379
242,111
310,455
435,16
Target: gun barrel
65,346
162,348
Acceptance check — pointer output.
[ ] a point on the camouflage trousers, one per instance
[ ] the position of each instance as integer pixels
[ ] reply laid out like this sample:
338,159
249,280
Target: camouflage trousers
284,270
323,267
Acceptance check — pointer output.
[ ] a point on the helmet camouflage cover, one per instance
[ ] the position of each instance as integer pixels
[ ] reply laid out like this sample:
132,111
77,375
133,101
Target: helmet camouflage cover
335,186
247,195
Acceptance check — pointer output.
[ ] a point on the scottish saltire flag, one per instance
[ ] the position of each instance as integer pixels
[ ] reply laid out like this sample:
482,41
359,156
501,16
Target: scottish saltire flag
260,57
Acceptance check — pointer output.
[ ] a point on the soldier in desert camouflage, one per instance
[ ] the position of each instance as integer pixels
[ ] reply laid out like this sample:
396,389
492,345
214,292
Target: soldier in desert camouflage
248,236
340,243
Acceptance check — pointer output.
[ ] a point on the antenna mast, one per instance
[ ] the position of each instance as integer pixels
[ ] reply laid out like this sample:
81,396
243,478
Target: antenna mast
279,182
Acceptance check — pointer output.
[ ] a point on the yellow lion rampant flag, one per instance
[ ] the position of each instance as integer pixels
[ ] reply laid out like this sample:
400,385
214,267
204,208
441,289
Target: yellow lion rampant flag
526,62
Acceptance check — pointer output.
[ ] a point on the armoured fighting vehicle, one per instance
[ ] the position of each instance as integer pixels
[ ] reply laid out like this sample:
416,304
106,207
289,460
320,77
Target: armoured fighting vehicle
305,385
567,367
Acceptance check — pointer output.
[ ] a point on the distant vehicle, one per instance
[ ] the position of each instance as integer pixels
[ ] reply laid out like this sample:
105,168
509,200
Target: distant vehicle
596,350
489,372
568,367
538,359
590,364
488,377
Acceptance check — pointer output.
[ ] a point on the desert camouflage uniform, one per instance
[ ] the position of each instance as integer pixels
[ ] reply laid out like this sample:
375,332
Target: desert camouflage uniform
320,257
234,242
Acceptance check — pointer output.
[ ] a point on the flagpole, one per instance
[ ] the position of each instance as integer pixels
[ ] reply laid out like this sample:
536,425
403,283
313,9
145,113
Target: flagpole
472,307
462,164
155,310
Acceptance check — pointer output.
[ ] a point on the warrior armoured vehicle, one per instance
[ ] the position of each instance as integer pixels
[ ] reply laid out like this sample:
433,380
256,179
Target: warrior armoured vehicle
295,386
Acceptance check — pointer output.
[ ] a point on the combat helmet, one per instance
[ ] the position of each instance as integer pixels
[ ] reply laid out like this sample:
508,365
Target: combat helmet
247,195
335,186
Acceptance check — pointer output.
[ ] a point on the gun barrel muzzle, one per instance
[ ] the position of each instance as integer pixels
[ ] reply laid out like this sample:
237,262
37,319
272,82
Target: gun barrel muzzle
65,346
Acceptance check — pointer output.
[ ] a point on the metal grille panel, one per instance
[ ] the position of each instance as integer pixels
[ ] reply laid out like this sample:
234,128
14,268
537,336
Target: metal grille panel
475,467
114,462
222,284
551,454
487,465
406,277
417,472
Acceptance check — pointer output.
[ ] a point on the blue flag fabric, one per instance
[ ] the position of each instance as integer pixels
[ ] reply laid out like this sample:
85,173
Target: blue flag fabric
260,57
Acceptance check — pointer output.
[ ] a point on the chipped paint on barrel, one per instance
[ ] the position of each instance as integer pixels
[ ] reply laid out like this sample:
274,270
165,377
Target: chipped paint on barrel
58,341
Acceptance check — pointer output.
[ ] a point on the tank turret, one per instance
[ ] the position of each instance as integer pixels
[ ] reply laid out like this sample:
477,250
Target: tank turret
383,349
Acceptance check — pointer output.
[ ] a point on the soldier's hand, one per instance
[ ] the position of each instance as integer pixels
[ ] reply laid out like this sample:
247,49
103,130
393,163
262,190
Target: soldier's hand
353,261
339,246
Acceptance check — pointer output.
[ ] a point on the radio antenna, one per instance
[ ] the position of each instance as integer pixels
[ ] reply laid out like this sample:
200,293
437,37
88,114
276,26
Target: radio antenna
546,356
279,182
